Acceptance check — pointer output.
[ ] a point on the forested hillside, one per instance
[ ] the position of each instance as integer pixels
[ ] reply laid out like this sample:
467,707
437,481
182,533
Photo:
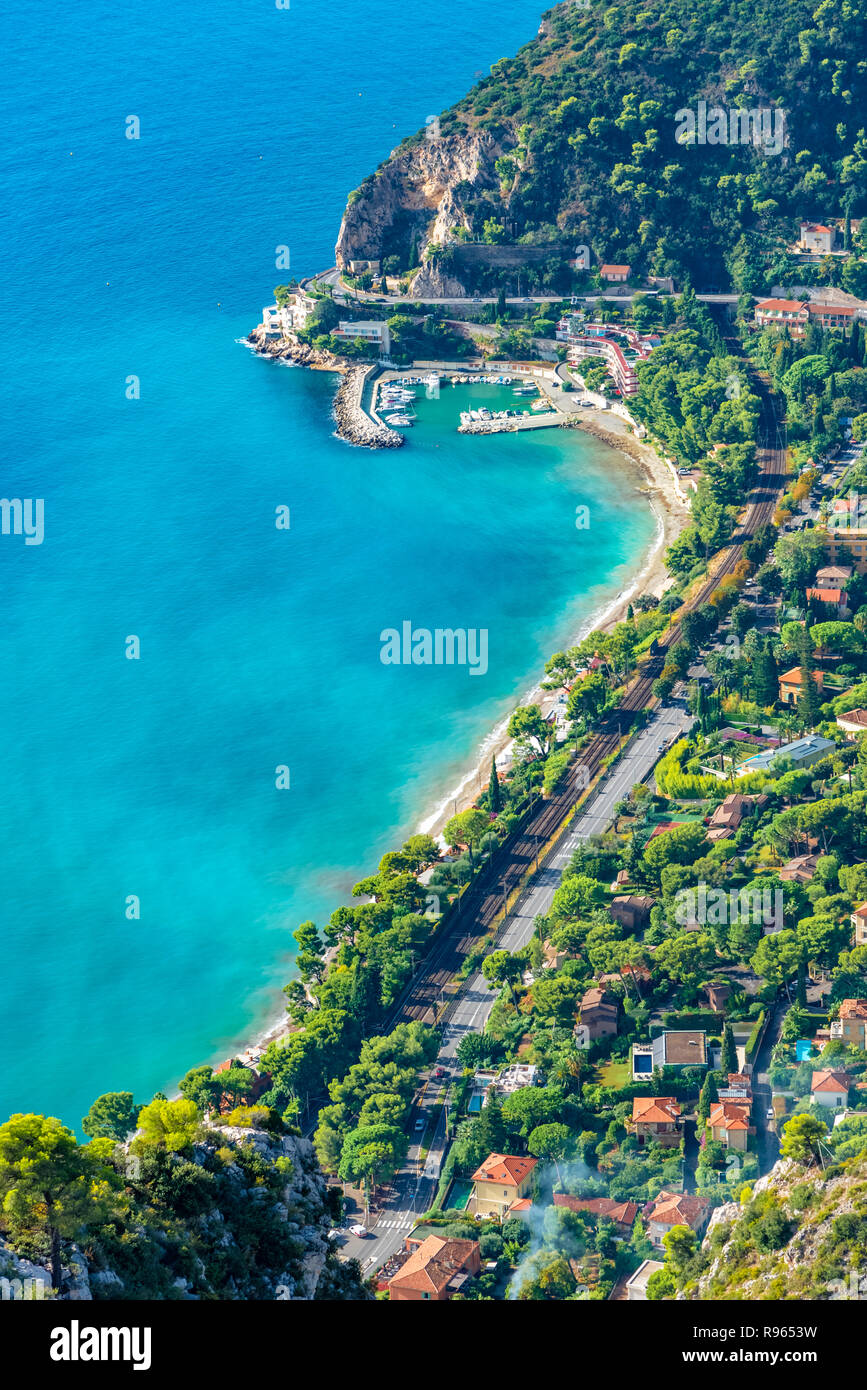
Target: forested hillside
579,139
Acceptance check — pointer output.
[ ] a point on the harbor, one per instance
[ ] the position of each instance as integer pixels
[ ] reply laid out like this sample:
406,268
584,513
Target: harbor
394,395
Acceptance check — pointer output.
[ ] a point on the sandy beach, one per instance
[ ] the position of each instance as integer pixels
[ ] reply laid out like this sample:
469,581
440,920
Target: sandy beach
654,479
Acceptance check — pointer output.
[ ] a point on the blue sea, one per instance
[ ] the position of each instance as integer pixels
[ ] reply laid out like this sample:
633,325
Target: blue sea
148,786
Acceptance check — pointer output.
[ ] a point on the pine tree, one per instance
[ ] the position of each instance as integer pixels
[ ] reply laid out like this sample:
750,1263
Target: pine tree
729,1051
495,796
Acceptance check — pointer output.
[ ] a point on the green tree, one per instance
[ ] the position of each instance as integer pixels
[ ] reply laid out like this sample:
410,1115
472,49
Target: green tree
502,968
729,1051
528,727
167,1124
112,1116
708,1098
801,1138
466,828
495,796
550,1142
50,1187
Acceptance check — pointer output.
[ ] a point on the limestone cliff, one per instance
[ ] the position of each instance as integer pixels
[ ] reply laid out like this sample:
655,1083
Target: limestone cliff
802,1236
418,198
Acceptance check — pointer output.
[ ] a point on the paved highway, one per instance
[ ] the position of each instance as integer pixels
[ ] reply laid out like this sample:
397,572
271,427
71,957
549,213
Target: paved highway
412,1191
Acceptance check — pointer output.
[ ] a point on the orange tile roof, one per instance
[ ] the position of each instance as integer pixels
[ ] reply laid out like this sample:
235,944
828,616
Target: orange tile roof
782,304
793,677
504,1168
857,717
614,269
861,911
826,595
853,1008
730,1114
836,1081
433,1264
678,1209
623,1213
655,1110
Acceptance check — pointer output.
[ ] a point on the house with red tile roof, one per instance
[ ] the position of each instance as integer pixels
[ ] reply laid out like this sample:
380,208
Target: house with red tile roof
783,313
615,274
656,1117
729,1123
436,1269
672,1209
830,1088
623,1214
500,1181
859,925
834,598
853,723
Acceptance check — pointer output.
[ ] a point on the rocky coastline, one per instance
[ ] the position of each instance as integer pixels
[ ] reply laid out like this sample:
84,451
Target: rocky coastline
353,423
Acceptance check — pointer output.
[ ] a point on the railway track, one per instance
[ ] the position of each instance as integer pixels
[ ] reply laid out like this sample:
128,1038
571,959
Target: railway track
489,891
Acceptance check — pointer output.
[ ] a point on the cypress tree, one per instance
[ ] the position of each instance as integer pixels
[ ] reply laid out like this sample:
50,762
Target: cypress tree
801,989
766,676
495,796
808,698
729,1051
709,1096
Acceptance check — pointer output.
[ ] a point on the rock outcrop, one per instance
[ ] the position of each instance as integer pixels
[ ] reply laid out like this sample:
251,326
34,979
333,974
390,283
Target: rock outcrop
353,423
418,197
799,1236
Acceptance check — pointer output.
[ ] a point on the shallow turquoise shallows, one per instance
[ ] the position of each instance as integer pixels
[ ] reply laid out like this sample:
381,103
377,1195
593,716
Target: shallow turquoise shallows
154,779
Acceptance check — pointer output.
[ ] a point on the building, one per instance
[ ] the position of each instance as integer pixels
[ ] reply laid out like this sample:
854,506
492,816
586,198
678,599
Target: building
859,925
615,274
802,753
849,544
501,1180
599,1014
783,313
816,238
435,1270
830,1088
790,685
623,1214
853,723
375,334
834,576
718,993
739,1087
680,1048
280,319
834,598
672,1209
636,1284
831,315
800,870
657,1118
729,1123
851,1027
728,816
632,910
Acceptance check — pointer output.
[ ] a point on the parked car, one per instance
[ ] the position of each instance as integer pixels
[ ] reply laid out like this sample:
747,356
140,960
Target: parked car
420,1123
770,1114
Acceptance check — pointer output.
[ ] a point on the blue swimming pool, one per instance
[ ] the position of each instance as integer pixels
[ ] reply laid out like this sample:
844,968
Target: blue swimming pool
803,1049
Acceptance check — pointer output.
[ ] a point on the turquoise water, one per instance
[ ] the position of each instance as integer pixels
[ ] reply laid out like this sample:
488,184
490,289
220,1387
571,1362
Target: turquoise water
155,778
803,1049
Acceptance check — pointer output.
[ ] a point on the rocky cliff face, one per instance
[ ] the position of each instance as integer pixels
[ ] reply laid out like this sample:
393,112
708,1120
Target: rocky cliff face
802,1236
418,196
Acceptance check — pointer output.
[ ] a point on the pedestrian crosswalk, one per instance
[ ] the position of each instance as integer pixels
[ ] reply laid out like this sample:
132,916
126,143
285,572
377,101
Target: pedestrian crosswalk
401,1221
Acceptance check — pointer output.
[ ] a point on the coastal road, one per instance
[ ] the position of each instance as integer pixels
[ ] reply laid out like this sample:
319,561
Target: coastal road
412,1191
331,280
